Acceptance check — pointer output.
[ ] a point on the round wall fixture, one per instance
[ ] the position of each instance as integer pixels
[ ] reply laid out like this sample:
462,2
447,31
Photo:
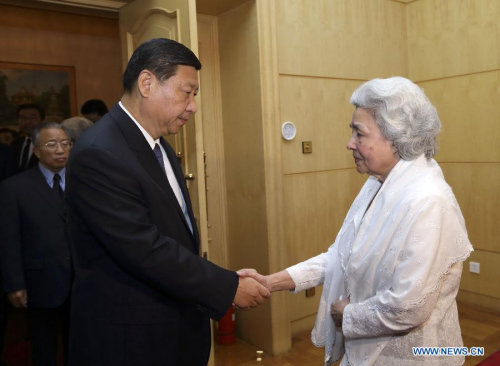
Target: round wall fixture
288,130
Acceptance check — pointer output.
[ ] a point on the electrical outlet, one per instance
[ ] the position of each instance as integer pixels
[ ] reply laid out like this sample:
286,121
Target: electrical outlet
474,267
307,147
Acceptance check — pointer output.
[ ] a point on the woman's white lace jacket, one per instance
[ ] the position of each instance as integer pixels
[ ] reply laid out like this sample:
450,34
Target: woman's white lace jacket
399,260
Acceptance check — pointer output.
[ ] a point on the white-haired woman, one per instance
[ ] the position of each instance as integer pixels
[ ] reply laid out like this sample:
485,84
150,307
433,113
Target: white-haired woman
393,273
76,126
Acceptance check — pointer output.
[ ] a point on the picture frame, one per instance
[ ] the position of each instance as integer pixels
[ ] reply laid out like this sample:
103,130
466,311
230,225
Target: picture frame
50,86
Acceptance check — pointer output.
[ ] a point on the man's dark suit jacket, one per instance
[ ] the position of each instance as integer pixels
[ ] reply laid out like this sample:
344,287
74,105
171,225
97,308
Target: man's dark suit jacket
6,165
17,150
142,294
34,244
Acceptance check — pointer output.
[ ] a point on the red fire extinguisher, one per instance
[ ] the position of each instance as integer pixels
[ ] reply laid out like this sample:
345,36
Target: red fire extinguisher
225,328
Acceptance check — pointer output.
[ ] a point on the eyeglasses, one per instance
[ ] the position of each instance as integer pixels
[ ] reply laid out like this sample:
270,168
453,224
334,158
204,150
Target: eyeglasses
52,145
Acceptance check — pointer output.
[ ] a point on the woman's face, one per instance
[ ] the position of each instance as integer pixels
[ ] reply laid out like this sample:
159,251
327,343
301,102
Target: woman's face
373,153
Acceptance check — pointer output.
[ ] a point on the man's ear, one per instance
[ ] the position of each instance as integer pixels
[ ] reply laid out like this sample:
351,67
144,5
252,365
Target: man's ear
36,151
145,82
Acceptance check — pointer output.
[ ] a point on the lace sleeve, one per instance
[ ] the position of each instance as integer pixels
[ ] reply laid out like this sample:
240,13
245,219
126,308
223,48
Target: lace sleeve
309,273
370,319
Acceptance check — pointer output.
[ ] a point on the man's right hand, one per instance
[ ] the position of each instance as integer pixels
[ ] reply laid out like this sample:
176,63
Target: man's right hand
18,299
250,294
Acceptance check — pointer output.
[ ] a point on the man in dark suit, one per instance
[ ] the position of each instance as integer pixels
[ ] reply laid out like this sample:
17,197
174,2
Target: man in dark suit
5,172
29,115
142,294
35,257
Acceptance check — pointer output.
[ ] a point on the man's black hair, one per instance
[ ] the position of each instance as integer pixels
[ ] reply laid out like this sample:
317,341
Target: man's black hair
31,106
94,106
161,56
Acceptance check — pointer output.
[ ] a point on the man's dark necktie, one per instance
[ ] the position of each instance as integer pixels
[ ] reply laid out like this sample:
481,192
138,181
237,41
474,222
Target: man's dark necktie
173,184
26,152
159,157
57,189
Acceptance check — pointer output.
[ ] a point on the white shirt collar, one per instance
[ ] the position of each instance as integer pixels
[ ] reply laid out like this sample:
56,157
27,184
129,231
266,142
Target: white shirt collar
147,136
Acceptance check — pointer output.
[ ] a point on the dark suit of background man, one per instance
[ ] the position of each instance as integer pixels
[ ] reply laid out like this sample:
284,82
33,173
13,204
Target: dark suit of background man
5,172
35,257
5,162
29,115
142,294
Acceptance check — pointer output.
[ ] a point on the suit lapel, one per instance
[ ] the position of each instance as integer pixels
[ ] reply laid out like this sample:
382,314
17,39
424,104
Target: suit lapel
137,142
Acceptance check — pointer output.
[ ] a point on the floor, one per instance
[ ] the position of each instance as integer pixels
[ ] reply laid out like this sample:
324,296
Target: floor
479,329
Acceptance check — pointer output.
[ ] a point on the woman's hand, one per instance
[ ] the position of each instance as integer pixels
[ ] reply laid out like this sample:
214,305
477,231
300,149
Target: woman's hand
337,312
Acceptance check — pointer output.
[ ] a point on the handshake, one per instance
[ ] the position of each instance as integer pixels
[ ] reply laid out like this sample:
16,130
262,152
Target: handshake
254,288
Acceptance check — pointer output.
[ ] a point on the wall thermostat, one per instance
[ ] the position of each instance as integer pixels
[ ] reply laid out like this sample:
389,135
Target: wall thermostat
288,130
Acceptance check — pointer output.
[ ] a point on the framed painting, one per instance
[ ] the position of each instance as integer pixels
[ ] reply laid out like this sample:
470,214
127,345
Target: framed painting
51,87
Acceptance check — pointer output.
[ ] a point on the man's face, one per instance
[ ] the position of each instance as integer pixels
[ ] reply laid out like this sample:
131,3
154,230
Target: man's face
170,104
6,138
55,155
28,119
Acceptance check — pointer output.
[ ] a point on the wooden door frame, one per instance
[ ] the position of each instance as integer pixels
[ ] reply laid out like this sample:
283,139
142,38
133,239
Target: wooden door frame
216,159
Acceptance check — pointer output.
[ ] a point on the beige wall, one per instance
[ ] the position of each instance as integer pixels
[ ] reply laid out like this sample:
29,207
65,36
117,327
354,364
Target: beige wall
454,49
90,44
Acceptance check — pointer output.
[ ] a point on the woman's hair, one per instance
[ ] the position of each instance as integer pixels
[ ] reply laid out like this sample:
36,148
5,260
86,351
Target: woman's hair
76,125
403,113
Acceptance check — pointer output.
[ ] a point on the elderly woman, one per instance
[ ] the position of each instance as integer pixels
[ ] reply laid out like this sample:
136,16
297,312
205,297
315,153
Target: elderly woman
392,275
76,126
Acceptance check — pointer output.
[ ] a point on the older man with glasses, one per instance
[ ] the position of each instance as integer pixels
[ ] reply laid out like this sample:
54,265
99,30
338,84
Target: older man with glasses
34,249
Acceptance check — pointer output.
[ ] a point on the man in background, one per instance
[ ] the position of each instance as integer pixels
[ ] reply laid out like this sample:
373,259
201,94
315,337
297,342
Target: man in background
7,136
34,248
29,115
142,294
93,109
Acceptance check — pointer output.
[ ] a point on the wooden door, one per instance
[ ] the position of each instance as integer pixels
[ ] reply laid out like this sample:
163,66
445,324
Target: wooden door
141,20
